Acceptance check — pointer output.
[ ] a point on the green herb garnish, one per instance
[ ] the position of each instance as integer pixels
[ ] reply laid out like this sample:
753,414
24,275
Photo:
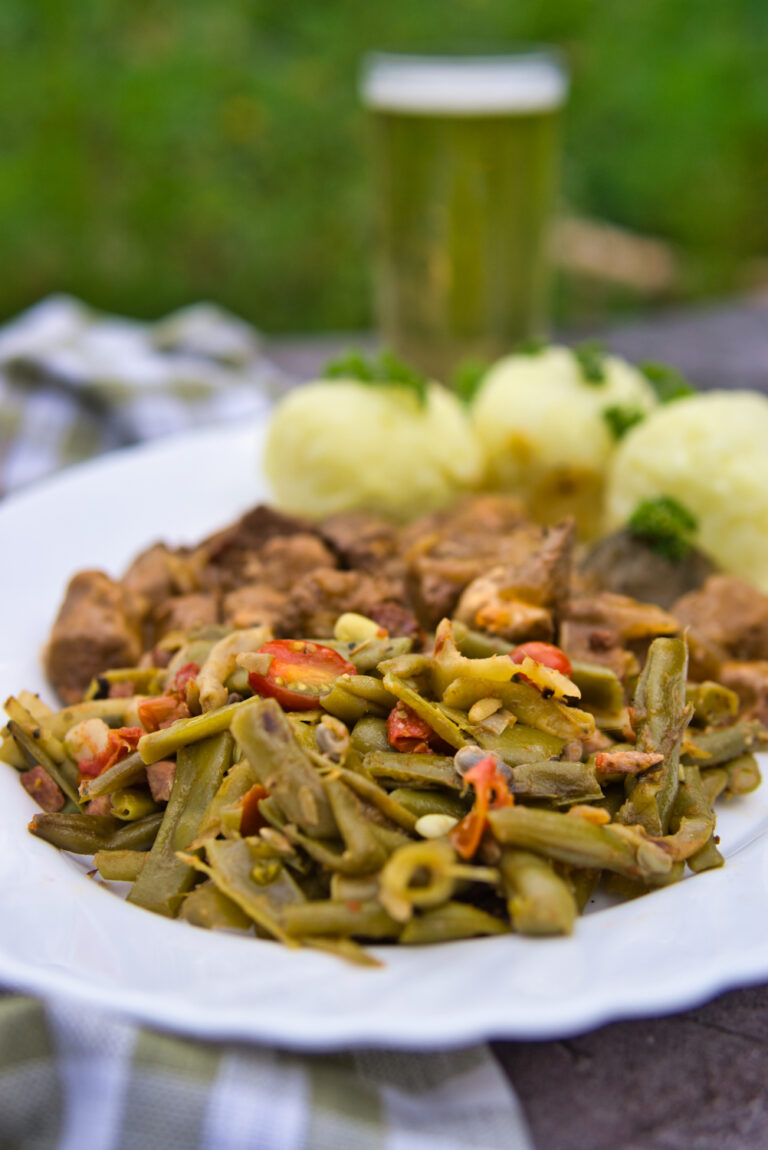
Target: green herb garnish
590,357
665,525
384,369
533,345
468,379
667,382
621,417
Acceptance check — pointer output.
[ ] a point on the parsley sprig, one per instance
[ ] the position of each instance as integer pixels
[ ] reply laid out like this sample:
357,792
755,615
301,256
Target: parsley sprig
666,381
382,370
590,356
621,417
665,525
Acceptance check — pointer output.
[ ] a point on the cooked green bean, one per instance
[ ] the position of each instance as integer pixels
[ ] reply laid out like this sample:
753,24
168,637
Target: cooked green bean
132,769
601,692
386,803
130,803
713,704
743,774
627,850
721,744
206,906
411,768
429,802
370,734
164,879
362,852
538,900
166,742
426,710
332,917
519,744
661,717
120,865
37,755
525,702
564,783
85,834
267,740
449,923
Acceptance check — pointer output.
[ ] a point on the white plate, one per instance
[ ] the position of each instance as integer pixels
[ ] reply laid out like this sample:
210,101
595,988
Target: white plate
61,933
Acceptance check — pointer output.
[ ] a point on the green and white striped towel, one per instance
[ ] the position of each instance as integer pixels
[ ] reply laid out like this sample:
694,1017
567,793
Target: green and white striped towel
74,1079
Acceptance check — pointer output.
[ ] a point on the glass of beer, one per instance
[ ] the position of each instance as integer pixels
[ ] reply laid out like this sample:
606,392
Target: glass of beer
465,155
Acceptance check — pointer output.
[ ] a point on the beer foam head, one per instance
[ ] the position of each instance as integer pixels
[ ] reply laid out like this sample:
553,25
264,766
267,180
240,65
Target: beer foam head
470,85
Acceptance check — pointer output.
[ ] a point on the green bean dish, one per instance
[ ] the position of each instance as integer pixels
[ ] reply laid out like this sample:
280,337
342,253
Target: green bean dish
364,783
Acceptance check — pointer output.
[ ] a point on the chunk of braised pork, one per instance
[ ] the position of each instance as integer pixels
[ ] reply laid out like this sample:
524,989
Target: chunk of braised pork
184,612
360,539
98,627
226,560
727,617
750,682
253,604
318,599
624,563
158,573
523,597
613,630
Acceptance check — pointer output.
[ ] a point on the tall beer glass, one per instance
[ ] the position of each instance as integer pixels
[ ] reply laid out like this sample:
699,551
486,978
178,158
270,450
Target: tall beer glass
465,154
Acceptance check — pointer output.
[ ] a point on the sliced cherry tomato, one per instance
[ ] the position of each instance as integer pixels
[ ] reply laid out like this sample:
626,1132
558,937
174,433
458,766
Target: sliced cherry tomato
119,743
406,731
300,672
491,792
545,653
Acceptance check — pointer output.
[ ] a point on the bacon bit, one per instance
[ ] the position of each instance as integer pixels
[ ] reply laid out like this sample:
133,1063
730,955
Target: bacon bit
491,793
160,776
160,711
625,762
594,815
41,787
100,806
251,818
119,743
407,731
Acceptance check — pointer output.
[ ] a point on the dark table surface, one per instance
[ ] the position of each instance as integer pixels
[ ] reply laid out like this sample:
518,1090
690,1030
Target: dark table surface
693,1081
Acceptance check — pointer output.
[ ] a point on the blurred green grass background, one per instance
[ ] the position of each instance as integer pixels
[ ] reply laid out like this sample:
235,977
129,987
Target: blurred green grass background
154,154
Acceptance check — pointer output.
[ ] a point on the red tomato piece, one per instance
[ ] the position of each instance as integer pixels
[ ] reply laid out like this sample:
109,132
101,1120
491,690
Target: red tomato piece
161,711
406,731
251,819
183,676
300,672
545,653
119,743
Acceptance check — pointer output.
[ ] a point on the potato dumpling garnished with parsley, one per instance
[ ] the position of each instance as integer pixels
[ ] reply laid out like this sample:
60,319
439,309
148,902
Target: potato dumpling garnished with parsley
710,454
549,422
399,446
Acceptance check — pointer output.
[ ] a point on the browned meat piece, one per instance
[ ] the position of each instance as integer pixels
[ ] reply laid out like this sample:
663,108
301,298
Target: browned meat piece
160,777
253,604
521,599
625,762
97,628
183,612
158,573
589,643
626,564
100,806
441,567
286,559
223,558
477,517
727,617
628,618
360,539
397,620
750,682
318,599
39,784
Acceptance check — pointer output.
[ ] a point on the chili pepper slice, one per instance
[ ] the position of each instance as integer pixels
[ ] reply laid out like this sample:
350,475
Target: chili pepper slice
491,792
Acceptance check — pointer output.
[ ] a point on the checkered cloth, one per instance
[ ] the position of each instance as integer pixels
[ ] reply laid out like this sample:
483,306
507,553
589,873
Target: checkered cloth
73,384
